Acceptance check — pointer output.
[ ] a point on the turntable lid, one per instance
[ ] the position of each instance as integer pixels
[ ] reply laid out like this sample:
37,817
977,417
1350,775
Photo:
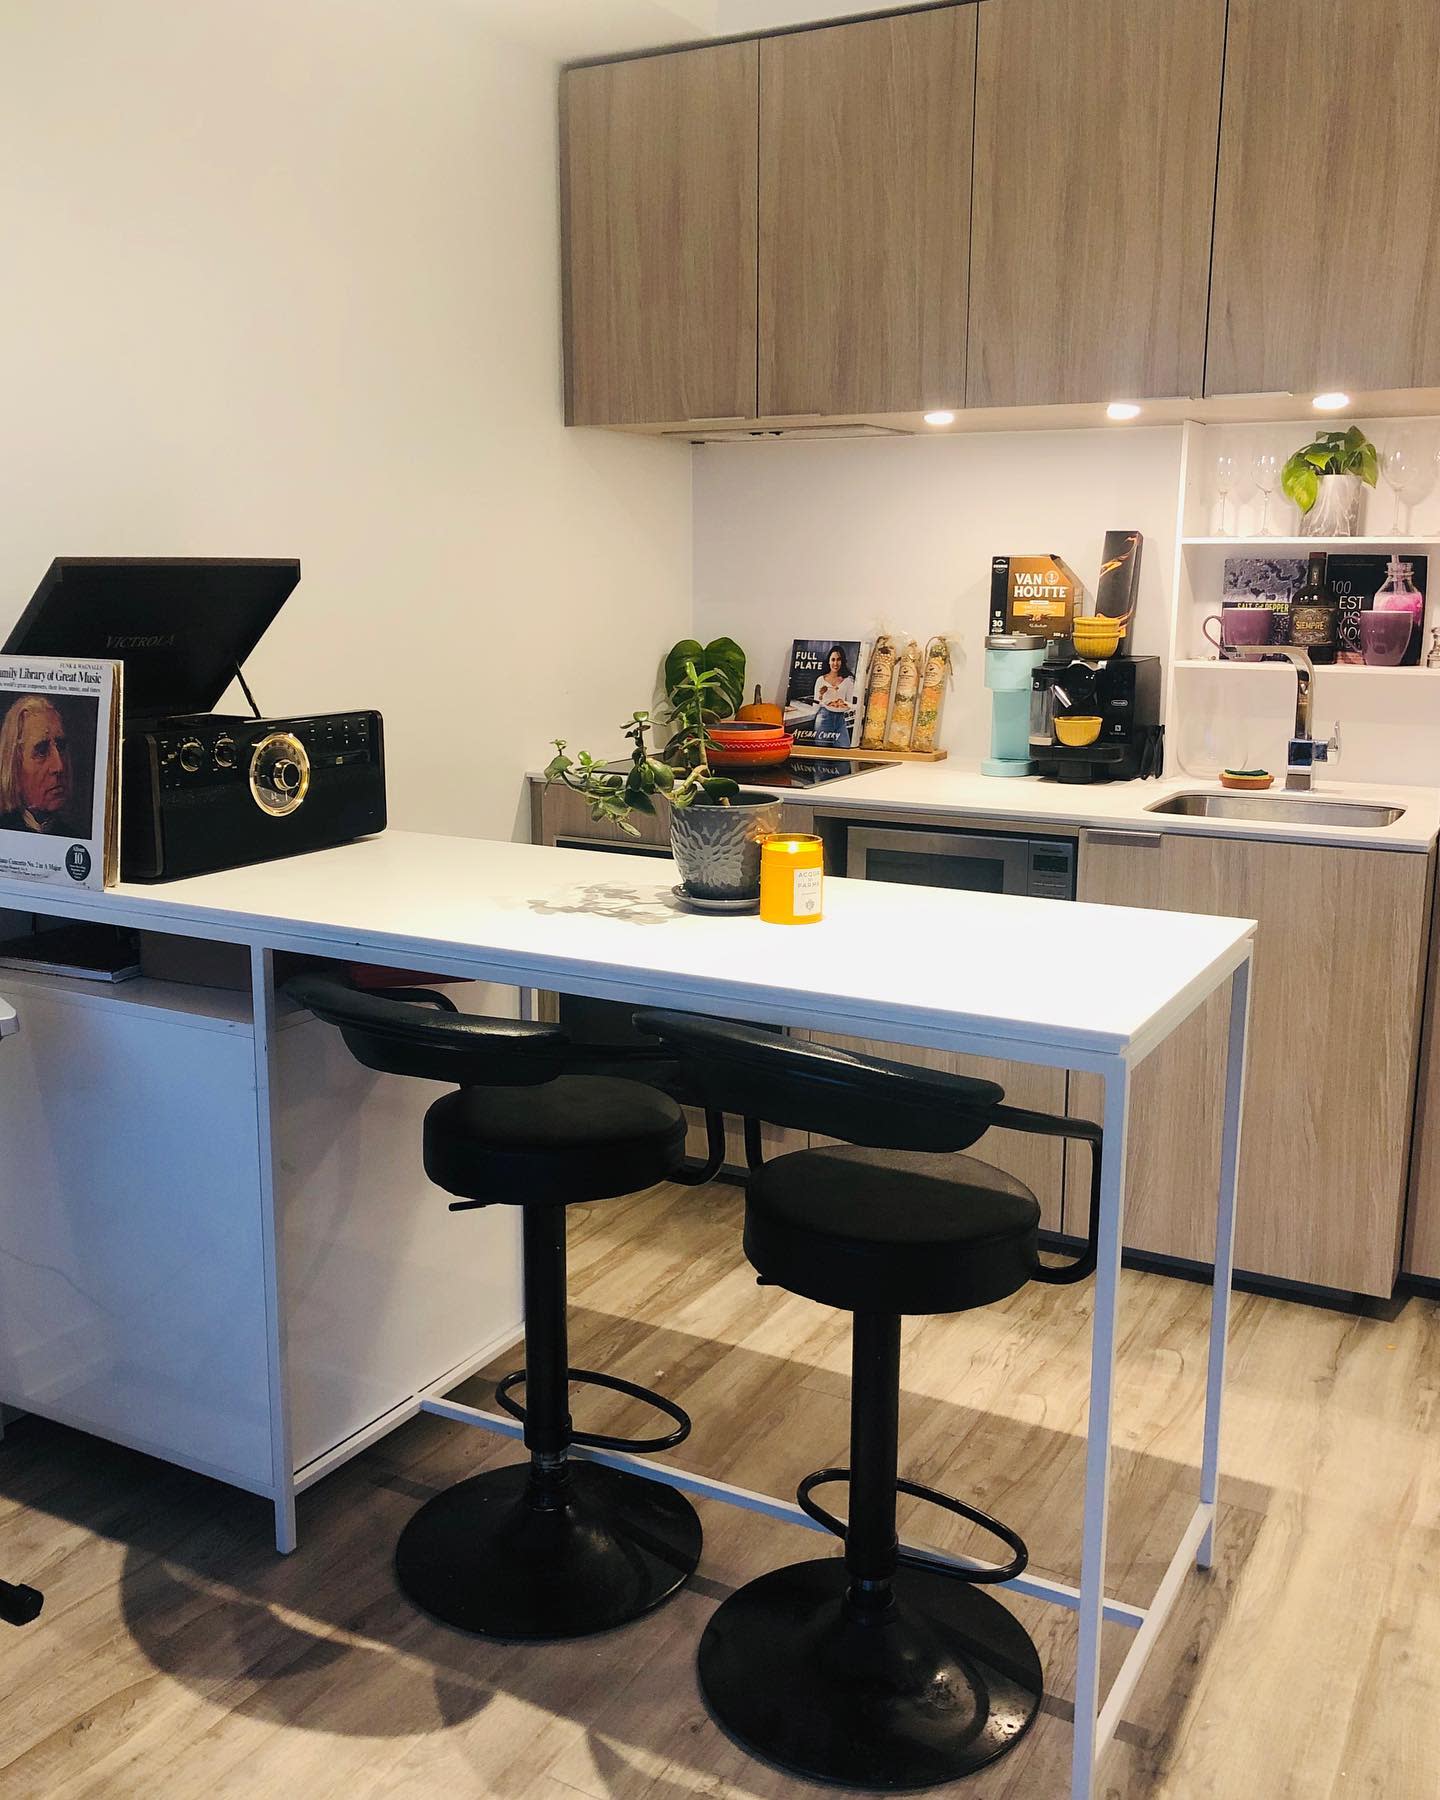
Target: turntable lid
181,625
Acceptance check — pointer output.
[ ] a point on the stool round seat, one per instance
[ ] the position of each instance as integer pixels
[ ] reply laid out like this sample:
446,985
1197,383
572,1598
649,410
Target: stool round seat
578,1138
891,1231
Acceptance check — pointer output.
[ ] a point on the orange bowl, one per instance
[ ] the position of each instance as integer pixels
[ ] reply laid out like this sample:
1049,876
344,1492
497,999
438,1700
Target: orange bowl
745,733
754,756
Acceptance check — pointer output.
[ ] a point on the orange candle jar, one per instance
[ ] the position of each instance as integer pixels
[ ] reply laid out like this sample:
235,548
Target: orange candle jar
792,879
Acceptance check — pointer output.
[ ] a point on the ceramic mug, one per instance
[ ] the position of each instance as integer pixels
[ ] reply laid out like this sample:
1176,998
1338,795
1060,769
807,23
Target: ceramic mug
1385,637
1240,624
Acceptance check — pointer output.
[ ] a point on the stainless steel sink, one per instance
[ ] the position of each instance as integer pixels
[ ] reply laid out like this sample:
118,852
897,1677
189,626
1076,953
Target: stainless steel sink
1280,809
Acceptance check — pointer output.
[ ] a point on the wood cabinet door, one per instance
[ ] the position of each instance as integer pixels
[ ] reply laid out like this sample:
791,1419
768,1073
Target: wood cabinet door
658,160
1327,223
1095,142
1422,1225
1334,1019
865,144
1038,1162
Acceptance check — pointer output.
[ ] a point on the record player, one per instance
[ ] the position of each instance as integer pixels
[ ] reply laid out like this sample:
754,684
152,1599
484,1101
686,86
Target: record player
202,790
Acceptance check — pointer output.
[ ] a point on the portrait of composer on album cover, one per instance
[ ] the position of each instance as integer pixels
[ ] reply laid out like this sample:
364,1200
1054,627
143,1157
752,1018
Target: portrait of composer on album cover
47,763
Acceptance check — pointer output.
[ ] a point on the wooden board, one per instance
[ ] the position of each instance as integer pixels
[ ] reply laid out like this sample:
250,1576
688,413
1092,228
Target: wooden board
1327,232
880,756
1095,143
658,163
865,145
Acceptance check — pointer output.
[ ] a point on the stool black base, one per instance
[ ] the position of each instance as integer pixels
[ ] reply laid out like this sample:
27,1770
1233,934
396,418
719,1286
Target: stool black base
508,1555
930,1690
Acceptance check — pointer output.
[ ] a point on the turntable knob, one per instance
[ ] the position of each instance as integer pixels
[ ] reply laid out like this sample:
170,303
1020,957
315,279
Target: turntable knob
224,753
279,773
192,756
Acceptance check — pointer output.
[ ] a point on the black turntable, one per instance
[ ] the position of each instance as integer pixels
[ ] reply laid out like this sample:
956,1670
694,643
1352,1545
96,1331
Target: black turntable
200,790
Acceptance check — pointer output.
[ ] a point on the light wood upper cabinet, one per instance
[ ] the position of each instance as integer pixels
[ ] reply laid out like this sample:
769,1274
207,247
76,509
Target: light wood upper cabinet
659,185
1327,226
865,144
1095,137
1335,1001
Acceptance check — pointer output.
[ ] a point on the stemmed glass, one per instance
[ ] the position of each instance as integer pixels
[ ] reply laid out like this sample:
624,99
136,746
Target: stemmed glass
1405,467
1265,468
1225,472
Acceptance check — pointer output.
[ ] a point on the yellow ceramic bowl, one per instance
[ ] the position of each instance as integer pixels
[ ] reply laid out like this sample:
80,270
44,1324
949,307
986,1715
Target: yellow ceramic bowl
1077,732
1095,637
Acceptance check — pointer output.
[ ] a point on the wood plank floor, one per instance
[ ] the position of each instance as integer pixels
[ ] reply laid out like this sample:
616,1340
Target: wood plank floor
178,1656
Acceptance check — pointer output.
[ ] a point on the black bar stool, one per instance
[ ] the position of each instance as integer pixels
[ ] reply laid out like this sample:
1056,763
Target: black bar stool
885,1670
552,1548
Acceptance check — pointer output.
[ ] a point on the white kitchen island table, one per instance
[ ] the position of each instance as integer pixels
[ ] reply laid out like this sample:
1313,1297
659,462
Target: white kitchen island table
915,966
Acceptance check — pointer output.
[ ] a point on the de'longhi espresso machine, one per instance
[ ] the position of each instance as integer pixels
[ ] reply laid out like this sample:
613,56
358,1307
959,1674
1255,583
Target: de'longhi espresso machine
1094,720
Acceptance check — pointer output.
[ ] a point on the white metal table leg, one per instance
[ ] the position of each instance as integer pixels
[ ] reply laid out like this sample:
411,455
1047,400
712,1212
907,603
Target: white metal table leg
282,1467
1224,1251
1097,1449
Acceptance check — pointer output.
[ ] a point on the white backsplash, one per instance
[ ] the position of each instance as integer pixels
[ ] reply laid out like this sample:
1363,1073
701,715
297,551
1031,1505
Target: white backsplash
803,539
847,537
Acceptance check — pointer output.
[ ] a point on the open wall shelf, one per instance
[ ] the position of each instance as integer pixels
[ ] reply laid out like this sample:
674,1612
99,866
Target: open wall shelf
1351,671
1303,544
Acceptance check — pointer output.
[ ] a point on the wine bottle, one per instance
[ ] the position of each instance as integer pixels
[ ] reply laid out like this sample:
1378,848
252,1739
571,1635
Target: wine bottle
1314,613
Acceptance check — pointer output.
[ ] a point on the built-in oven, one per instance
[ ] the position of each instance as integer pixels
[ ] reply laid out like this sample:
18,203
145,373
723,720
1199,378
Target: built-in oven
983,862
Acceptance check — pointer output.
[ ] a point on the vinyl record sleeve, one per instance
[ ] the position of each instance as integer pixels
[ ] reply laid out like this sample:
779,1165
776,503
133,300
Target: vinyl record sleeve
59,770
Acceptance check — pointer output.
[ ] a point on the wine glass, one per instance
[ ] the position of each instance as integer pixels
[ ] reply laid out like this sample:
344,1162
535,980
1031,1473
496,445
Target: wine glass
1265,469
1225,472
1405,467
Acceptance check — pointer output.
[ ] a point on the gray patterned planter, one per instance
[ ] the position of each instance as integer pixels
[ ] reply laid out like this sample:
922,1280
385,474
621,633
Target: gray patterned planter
717,848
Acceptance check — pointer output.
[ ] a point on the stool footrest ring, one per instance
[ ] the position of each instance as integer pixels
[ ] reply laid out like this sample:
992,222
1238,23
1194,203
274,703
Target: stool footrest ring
597,1440
1020,1555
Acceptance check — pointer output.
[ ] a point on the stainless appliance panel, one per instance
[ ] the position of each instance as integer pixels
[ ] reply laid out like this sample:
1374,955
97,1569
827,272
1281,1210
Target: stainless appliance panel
972,862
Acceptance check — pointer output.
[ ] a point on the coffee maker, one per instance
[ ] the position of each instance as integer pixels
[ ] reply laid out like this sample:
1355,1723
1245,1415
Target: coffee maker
1095,721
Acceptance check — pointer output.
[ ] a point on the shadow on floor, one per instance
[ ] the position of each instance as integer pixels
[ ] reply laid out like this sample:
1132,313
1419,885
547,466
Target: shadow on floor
323,1641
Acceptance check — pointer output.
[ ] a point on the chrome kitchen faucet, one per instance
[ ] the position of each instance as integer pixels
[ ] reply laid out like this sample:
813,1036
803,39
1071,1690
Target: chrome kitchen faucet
1303,750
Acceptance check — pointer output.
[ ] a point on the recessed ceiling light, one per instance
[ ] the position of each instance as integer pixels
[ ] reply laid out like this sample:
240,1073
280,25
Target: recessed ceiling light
1330,402
940,418
1122,409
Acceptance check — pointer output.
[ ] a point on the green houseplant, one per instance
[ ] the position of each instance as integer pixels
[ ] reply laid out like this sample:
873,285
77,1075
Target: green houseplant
716,826
1324,480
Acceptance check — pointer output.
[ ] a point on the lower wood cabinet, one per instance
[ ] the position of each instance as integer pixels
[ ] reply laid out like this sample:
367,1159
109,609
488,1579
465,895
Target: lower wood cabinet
1334,1026
1422,1226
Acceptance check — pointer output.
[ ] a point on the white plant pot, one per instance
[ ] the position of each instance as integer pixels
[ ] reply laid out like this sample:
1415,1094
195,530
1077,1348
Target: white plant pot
1336,512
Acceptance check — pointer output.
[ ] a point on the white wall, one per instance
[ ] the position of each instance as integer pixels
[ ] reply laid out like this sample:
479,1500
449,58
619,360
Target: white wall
802,539
281,278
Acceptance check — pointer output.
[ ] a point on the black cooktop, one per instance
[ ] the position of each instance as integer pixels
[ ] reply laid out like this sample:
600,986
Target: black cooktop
808,771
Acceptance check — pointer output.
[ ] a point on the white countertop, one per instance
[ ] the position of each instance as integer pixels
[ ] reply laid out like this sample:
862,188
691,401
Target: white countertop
943,787
907,965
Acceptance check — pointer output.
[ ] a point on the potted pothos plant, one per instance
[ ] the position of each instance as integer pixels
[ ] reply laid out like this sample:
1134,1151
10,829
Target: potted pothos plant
716,826
1324,478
